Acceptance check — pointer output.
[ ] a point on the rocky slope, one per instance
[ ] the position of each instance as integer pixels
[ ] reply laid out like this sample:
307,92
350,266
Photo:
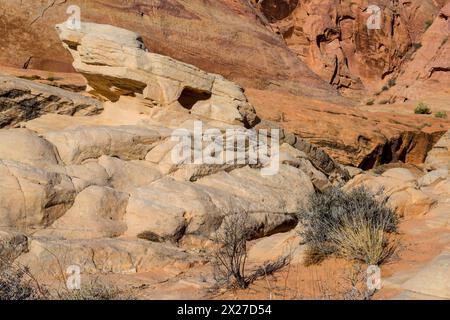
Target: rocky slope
88,176
226,37
332,37
103,191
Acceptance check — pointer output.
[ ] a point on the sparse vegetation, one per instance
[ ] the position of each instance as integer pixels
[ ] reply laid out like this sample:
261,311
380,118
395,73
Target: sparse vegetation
95,290
422,108
231,255
18,283
392,83
441,115
428,24
384,101
417,46
356,225
371,102
385,88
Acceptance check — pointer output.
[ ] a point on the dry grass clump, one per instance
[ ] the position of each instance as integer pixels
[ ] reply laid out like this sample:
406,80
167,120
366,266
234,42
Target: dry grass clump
355,225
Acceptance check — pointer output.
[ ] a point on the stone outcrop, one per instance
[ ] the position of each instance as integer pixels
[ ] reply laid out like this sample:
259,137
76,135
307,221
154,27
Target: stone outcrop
225,37
115,62
103,191
332,37
348,134
23,100
427,76
439,156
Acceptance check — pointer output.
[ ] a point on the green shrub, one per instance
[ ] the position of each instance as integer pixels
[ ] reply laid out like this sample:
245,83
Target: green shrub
370,102
356,225
441,115
422,108
385,88
392,83
417,46
428,24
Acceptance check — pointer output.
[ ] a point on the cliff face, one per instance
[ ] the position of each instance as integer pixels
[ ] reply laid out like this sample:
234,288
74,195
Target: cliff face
332,38
228,37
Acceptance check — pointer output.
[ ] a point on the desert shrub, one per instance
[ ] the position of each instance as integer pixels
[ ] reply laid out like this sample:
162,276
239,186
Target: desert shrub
384,101
392,83
231,255
441,115
16,281
417,46
370,102
355,225
94,290
385,88
428,24
422,108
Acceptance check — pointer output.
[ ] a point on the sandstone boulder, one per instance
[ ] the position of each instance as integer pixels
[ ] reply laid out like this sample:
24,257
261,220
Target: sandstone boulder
439,156
128,175
46,256
30,197
147,219
115,62
98,212
25,146
91,142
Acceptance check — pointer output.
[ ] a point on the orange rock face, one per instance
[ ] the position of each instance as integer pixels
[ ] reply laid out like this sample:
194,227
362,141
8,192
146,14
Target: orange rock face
427,76
348,134
228,37
333,38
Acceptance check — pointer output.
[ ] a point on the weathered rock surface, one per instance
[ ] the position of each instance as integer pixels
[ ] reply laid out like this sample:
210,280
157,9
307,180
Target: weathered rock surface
98,212
25,146
103,191
226,37
115,62
31,197
23,100
427,76
349,135
332,37
439,156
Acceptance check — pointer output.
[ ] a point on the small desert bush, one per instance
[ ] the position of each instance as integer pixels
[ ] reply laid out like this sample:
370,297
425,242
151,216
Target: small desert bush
417,46
441,115
231,255
370,102
422,108
355,225
94,290
392,83
17,282
428,24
